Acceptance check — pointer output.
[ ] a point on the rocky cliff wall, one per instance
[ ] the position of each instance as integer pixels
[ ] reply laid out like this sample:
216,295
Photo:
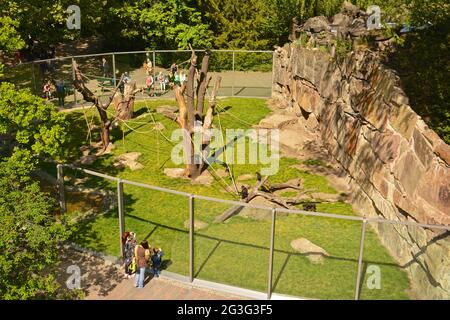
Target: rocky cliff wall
399,168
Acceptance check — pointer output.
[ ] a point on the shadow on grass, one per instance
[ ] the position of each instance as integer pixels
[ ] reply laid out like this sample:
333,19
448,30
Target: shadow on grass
288,254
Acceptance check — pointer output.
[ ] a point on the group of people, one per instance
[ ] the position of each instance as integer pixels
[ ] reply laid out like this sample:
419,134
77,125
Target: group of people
52,86
174,76
140,259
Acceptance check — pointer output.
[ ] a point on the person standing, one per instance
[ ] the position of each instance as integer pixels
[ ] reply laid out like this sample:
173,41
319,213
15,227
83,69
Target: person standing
142,254
148,66
129,247
157,261
173,68
60,91
46,90
105,67
162,81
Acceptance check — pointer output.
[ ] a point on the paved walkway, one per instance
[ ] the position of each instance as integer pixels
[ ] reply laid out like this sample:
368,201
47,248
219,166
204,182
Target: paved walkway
101,280
160,289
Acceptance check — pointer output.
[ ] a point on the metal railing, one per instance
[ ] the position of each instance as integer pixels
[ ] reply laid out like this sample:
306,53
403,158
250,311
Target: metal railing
274,211
260,88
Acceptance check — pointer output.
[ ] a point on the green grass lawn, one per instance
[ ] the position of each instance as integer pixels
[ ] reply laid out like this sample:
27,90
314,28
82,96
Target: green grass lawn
235,252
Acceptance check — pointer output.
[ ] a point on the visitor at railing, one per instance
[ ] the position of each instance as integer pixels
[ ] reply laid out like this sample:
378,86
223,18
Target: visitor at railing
142,254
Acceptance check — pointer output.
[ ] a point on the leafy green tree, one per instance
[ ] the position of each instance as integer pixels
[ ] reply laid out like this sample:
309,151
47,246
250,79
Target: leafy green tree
29,239
166,24
28,127
29,233
10,40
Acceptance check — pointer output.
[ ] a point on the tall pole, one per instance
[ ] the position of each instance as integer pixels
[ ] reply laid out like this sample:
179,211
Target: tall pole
33,77
234,75
272,249
73,79
114,68
361,254
154,64
191,238
61,191
121,214
272,85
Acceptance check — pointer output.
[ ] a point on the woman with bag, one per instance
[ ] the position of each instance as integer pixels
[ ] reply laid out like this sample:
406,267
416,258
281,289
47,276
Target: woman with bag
142,255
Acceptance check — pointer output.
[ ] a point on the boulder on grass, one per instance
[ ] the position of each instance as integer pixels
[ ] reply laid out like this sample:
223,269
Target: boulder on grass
87,160
174,172
313,252
128,160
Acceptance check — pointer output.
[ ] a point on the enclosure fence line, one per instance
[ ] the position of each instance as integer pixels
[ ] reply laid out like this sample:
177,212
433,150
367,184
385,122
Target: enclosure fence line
153,53
191,198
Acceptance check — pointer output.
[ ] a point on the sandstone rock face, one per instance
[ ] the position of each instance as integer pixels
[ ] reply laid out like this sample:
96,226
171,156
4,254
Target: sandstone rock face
398,168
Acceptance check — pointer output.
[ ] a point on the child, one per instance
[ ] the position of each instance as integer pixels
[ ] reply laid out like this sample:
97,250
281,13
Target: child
157,254
162,81
47,92
149,82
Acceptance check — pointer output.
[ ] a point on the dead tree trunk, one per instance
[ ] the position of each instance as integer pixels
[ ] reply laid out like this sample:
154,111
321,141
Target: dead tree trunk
124,103
202,84
191,118
101,108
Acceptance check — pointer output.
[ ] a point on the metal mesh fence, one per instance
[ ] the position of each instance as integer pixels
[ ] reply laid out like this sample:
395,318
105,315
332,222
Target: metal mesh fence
278,251
243,73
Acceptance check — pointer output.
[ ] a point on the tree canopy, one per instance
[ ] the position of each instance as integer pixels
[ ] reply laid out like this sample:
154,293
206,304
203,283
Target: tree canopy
30,235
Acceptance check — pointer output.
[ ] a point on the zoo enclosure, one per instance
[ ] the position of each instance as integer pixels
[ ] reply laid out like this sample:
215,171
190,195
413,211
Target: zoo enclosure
245,73
191,199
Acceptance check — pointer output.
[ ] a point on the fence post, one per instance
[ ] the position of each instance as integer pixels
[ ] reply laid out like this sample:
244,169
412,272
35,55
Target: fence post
73,79
234,75
272,85
361,253
121,214
33,78
272,248
114,68
61,190
154,64
191,238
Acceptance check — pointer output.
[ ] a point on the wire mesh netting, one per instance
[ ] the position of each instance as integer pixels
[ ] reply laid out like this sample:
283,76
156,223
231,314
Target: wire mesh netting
409,250
160,219
235,250
315,257
92,202
243,73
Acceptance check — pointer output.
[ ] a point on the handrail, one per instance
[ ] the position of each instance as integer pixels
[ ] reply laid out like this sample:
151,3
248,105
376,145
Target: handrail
132,52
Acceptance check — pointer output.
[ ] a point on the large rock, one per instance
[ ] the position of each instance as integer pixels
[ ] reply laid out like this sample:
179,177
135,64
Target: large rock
277,121
443,151
205,179
87,160
409,171
403,119
128,160
174,172
316,24
258,214
313,252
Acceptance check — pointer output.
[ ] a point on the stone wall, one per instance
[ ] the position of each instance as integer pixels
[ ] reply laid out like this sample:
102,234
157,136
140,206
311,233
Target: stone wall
399,168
